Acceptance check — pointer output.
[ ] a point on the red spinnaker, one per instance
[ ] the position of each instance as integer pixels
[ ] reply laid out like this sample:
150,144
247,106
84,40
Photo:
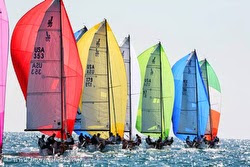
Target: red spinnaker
48,68
23,42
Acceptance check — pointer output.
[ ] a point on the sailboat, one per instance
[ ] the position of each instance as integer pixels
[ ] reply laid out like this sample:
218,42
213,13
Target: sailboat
125,50
48,68
157,93
191,104
104,94
4,45
214,96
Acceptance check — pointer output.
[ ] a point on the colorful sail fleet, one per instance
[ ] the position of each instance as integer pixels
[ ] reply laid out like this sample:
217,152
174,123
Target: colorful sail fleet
83,82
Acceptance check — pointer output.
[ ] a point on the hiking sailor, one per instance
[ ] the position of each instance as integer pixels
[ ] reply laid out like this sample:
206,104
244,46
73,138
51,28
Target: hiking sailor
42,143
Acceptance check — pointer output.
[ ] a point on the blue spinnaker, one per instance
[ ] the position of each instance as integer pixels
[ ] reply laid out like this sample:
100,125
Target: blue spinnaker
191,106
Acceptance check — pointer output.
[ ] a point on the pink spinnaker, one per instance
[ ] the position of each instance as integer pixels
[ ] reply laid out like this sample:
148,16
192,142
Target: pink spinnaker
4,44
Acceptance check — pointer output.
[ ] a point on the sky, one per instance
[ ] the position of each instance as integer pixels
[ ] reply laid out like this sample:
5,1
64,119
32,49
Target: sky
217,29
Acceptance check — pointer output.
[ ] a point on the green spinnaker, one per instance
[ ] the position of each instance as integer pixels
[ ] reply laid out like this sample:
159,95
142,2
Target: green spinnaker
157,93
212,77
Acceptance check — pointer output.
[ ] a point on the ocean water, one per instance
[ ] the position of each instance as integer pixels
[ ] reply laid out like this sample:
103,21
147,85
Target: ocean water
18,149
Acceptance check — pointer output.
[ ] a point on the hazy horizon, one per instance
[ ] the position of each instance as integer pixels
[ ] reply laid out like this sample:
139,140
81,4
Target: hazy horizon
218,30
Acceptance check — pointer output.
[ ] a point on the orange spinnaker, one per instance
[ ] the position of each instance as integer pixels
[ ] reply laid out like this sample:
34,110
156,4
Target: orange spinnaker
215,117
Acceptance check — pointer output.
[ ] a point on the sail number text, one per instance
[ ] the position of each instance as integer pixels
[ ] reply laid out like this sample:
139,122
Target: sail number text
39,54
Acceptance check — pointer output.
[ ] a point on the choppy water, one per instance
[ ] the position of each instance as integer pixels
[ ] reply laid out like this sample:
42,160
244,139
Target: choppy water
231,153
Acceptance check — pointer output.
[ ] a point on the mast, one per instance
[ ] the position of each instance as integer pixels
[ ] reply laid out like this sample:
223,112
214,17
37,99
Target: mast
130,91
211,134
62,75
107,50
161,90
196,91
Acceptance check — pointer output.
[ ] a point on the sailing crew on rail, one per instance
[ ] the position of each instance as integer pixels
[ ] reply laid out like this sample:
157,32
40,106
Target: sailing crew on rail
138,140
214,142
111,139
81,139
101,142
195,141
159,143
42,143
205,140
94,140
199,141
168,142
70,140
149,141
124,144
216,139
189,142
51,141
118,139
87,139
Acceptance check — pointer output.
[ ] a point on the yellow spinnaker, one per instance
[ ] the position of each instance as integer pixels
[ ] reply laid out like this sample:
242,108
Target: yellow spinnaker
104,97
